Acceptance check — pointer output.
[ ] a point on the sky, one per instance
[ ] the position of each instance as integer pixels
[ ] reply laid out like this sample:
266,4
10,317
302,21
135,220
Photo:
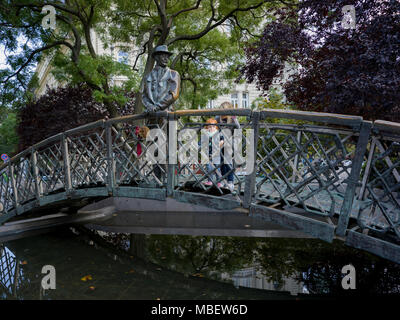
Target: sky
2,57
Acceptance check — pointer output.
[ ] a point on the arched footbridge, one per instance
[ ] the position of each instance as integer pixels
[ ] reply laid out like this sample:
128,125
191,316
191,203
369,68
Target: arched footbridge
320,175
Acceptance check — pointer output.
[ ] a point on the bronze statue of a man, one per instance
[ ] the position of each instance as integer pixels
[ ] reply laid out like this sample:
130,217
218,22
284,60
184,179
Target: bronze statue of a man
161,85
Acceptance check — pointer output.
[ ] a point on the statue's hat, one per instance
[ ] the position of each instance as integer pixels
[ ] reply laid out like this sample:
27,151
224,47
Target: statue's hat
161,49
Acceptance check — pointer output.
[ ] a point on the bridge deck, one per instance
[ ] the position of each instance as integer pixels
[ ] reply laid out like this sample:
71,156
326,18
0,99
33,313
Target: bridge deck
143,216
321,174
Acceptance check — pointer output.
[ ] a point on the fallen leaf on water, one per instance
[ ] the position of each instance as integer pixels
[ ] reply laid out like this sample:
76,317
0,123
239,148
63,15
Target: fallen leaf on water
198,275
91,287
86,278
24,262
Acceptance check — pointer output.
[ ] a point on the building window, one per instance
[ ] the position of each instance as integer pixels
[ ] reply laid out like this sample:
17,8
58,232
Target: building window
210,104
123,57
234,100
245,100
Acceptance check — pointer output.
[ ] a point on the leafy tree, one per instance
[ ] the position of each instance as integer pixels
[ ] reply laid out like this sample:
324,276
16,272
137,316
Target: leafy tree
201,255
274,100
319,266
60,110
205,34
70,46
351,71
315,263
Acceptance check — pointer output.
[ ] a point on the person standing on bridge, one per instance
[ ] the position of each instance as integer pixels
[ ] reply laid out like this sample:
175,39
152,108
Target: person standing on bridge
227,169
212,166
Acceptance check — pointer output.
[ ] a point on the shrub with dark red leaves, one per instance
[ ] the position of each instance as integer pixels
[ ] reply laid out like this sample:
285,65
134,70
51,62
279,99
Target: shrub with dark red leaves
350,71
59,110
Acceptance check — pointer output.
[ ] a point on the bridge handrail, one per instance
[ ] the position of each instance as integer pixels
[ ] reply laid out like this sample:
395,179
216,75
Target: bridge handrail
330,118
267,113
387,126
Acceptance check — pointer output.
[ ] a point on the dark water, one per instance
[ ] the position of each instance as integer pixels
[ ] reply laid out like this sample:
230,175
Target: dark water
185,267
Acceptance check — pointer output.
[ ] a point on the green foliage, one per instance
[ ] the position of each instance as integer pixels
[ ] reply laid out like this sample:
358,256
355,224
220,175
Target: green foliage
316,263
70,48
96,69
206,37
8,135
201,255
275,100
206,62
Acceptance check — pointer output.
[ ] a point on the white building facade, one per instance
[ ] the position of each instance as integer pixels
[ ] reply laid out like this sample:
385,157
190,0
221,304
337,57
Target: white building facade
252,278
241,96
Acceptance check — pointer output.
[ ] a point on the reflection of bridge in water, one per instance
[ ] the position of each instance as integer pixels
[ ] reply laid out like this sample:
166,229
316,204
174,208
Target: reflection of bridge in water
322,175
10,273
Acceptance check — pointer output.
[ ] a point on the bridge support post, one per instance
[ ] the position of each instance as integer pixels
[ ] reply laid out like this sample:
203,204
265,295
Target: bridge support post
172,156
354,179
296,159
110,160
67,168
250,180
14,187
138,245
38,186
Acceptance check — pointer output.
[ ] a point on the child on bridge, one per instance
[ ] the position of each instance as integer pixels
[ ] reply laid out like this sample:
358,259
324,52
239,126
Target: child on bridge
212,165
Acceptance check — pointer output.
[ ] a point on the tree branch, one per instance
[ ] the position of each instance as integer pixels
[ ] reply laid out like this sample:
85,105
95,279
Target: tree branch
32,55
78,42
37,5
178,56
288,4
243,28
140,54
87,26
174,15
211,26
161,12
194,83
165,24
